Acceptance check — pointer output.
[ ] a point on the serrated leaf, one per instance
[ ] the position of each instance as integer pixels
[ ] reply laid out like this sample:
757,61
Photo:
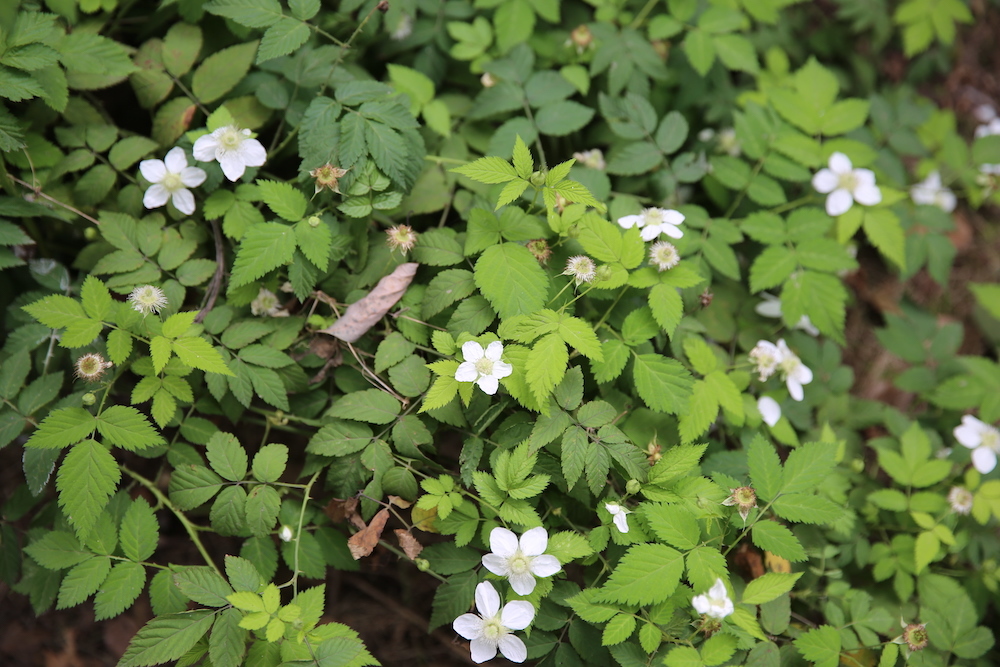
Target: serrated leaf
96,298
264,247
57,311
119,590
509,276
663,384
490,170
61,428
166,638
674,525
580,335
646,574
119,346
192,485
820,646
58,550
768,587
83,581
282,38
220,72
618,629
806,508
314,242
283,198
227,457
771,268
203,585
546,366
369,405
269,462
86,480
127,428
511,192
199,353
139,531
765,468
262,506
777,539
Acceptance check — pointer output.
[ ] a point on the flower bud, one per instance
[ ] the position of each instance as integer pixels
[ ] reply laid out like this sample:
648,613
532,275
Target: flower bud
604,272
633,487
537,179
314,222
422,564
487,80
285,534
88,399
581,37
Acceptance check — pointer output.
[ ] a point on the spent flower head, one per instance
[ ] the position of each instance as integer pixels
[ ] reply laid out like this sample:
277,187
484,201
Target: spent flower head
328,177
914,636
540,250
491,628
593,158
520,560
147,299
581,268
715,603
663,255
91,367
744,498
170,178
960,499
401,237
483,366
984,441
234,148
267,304
654,221
846,185
618,515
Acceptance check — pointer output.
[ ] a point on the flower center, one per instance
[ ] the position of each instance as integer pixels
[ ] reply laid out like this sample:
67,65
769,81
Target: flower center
790,364
991,439
484,366
492,629
519,563
89,365
230,139
847,181
652,216
172,181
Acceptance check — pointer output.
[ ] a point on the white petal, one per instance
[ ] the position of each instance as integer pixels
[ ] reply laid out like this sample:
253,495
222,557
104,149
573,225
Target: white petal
839,202
984,459
472,351
803,374
156,196
498,565
794,388
193,176
534,541
183,201
650,232
825,181
769,308
204,148
629,221
522,583
701,603
469,626
970,433
869,195
922,195
483,650
933,180
621,521
502,369
865,177
487,600
466,372
513,648
252,153
728,609
718,590
672,217
805,324
545,565
769,410
947,200
175,161
153,171
488,384
494,350
503,542
672,231
613,508
517,615
232,166
840,163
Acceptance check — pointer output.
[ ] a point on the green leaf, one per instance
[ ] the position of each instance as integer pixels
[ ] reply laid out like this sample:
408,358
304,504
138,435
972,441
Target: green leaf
807,508
262,355
673,524
369,405
523,163
263,504
119,590
251,13
139,531
771,268
97,301
83,581
264,247
58,550
227,457
199,353
282,38
663,384
283,198
87,477
314,242
768,587
844,116
192,485
57,311
220,72
646,574
268,385
127,428
883,229
820,296
638,157
62,428
227,643
616,355
438,247
510,193
269,462
703,407
778,540
445,288
509,276
820,646
736,52
765,468
166,638
340,438
618,629
203,585
563,117
488,170
579,334
700,50
546,366
568,546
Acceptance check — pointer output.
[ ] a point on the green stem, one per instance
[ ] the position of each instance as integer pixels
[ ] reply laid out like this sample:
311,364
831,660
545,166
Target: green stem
298,531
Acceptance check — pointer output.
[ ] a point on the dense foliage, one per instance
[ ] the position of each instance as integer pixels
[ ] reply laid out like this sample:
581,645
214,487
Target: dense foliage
547,297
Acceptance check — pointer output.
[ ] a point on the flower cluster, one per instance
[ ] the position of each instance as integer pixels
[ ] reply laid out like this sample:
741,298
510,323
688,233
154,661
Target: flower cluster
768,358
654,221
982,439
483,366
846,185
491,628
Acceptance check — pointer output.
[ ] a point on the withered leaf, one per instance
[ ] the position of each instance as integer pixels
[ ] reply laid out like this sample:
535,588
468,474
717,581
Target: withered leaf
338,510
363,314
363,542
399,502
408,543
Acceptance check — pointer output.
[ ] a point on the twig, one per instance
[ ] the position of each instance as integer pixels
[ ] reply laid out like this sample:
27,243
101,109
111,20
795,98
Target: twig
38,192
220,268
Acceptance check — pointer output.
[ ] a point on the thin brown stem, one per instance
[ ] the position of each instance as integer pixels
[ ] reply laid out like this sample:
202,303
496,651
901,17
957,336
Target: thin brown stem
220,269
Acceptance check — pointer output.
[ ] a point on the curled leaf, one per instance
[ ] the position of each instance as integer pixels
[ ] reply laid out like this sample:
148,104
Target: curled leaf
363,542
408,543
364,313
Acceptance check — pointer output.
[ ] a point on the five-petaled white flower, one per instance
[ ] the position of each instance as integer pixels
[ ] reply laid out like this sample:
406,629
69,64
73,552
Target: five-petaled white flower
618,515
769,358
960,499
654,221
715,603
483,366
982,439
769,410
931,192
771,307
846,185
491,630
147,299
520,561
171,177
233,148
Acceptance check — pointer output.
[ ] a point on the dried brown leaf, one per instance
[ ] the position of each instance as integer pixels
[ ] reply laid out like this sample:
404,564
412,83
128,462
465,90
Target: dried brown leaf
363,314
363,542
399,502
339,510
408,543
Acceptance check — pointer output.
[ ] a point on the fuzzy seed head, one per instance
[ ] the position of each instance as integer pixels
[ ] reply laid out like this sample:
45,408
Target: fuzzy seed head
148,299
663,256
91,367
581,268
402,237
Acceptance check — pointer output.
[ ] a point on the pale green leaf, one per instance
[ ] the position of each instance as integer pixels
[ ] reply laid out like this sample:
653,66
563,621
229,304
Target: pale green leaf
87,477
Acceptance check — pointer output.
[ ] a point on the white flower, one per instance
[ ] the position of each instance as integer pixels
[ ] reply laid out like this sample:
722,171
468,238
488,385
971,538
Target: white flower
266,303
592,158
989,128
483,366
171,177
715,603
618,515
846,185
982,439
492,630
769,357
769,410
765,356
520,561
931,193
285,534
582,268
728,143
233,148
654,221
984,113
771,307
487,80
664,255
960,499
403,29
147,299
